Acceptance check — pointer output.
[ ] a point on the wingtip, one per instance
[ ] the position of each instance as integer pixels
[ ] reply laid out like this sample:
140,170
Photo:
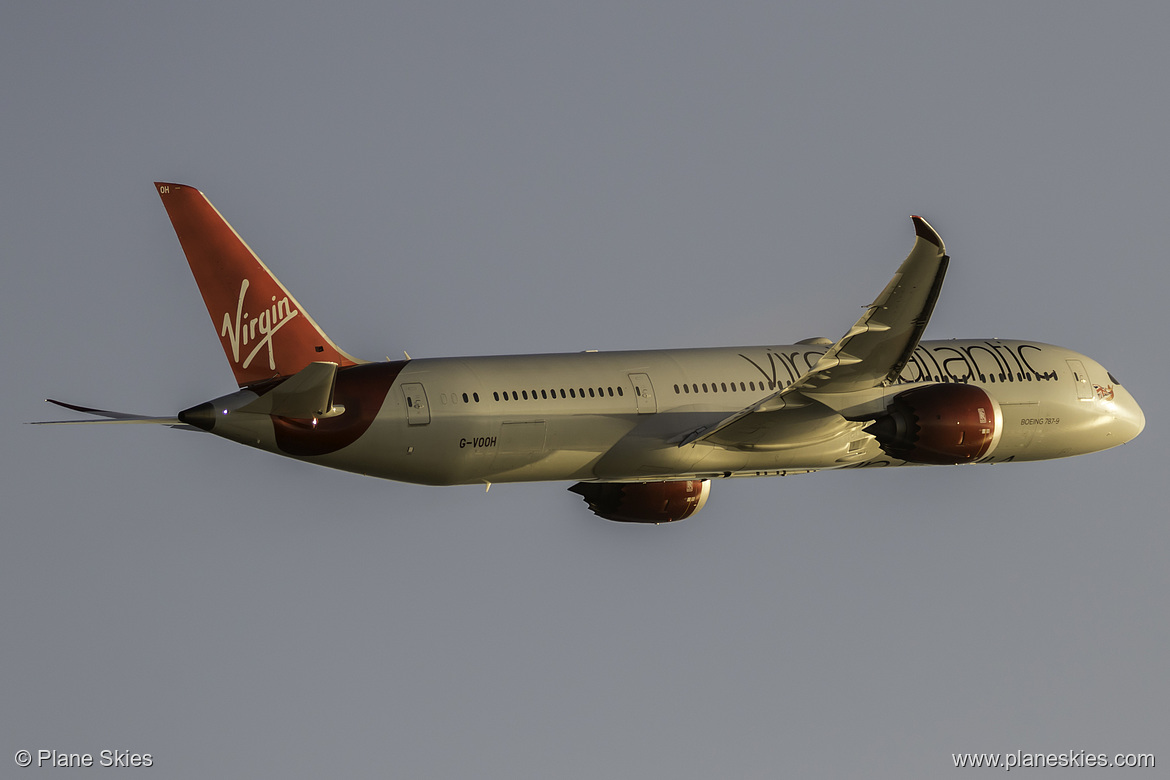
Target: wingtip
923,230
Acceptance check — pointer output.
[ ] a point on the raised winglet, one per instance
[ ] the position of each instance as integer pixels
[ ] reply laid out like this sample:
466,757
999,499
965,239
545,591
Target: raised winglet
264,331
923,230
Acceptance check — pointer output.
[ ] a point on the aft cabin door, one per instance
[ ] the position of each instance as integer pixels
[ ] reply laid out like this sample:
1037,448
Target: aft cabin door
417,410
644,393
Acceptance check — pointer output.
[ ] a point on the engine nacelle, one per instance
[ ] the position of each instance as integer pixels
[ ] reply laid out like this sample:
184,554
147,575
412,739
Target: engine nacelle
645,502
939,424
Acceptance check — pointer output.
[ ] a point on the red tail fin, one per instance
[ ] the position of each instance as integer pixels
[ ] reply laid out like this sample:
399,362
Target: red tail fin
265,333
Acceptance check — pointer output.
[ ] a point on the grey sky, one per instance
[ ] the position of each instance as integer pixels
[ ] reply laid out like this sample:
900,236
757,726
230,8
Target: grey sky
474,178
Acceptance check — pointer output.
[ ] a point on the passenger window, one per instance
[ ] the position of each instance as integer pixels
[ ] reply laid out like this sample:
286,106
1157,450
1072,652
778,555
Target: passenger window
591,392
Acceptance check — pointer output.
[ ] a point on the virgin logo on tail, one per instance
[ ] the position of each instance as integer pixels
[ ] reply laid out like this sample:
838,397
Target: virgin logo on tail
246,329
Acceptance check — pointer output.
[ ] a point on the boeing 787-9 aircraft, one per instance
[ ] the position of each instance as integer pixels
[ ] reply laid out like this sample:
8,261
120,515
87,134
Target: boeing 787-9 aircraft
642,434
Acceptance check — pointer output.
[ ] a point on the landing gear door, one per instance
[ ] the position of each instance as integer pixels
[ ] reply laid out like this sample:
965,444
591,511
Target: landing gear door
418,412
644,393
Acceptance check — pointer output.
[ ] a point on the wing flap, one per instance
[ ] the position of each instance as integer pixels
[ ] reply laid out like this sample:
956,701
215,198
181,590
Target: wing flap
801,422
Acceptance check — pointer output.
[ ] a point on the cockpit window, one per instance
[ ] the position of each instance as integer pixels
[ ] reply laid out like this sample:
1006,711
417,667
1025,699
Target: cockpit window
1112,378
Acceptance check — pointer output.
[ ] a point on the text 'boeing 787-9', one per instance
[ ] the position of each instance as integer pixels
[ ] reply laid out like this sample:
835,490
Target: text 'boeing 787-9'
642,434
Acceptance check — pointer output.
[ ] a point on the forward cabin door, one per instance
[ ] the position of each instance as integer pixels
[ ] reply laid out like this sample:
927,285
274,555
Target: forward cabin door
644,393
418,412
1081,377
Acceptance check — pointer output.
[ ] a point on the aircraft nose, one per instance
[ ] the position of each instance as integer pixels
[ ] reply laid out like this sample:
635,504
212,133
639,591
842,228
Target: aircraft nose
1129,420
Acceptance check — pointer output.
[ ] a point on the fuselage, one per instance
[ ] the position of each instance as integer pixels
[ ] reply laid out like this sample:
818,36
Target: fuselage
620,416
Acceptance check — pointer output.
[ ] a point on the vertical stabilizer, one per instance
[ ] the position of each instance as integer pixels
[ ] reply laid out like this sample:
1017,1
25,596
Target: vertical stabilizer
264,331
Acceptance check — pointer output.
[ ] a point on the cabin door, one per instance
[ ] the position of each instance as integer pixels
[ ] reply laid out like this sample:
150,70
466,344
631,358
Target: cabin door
418,412
644,393
1081,377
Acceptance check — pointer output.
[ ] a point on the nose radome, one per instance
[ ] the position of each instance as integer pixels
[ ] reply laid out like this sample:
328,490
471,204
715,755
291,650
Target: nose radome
1130,419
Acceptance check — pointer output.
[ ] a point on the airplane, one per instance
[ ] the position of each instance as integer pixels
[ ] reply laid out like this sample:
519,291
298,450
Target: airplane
642,434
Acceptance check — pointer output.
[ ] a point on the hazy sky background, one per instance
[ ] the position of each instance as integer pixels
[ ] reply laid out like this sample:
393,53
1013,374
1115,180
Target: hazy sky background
455,178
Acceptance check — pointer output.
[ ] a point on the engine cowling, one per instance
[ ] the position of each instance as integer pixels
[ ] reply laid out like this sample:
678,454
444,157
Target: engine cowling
645,502
939,424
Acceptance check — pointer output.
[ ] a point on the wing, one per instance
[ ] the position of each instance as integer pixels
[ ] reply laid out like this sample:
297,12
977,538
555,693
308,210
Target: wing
871,353
876,348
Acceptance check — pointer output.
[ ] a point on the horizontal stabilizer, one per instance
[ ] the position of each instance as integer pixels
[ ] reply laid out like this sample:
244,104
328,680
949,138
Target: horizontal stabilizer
111,417
306,395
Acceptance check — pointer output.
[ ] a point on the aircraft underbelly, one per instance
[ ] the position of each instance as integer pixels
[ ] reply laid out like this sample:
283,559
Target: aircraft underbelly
459,450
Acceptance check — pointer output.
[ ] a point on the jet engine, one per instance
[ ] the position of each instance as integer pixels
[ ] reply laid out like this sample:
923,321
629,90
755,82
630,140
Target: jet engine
645,502
939,424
